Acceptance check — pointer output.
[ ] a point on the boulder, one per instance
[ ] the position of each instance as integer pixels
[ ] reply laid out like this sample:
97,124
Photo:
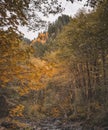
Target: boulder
4,109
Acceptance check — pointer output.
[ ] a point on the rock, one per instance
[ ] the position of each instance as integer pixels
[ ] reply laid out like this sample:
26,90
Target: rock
80,128
6,124
9,125
39,128
3,107
106,128
2,128
57,122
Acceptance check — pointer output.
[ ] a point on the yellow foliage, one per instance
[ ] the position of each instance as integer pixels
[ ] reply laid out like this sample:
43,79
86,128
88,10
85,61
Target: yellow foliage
42,38
55,112
17,111
96,106
4,79
38,79
16,66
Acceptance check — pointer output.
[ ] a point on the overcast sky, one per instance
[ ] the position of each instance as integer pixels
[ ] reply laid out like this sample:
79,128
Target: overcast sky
70,9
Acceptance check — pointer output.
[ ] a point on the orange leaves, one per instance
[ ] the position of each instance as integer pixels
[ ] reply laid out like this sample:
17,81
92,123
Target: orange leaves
42,38
40,73
17,111
55,112
25,73
4,79
23,90
13,58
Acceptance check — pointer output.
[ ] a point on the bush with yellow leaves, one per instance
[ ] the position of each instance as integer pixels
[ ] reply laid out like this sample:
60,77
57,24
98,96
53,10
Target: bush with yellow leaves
55,112
17,111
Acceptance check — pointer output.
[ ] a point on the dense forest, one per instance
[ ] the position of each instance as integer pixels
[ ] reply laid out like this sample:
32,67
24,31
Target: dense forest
59,80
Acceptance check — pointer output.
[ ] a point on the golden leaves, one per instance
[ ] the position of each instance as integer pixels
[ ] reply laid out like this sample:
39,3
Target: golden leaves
27,73
17,111
55,112
42,38
4,79
38,77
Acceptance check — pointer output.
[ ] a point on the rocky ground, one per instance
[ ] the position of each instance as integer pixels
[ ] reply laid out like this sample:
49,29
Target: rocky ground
50,124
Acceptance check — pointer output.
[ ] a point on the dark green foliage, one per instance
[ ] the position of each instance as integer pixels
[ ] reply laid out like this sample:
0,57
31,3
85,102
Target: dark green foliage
57,26
26,40
39,49
53,30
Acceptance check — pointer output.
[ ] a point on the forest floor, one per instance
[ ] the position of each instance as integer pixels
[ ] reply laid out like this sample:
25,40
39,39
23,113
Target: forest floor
50,124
